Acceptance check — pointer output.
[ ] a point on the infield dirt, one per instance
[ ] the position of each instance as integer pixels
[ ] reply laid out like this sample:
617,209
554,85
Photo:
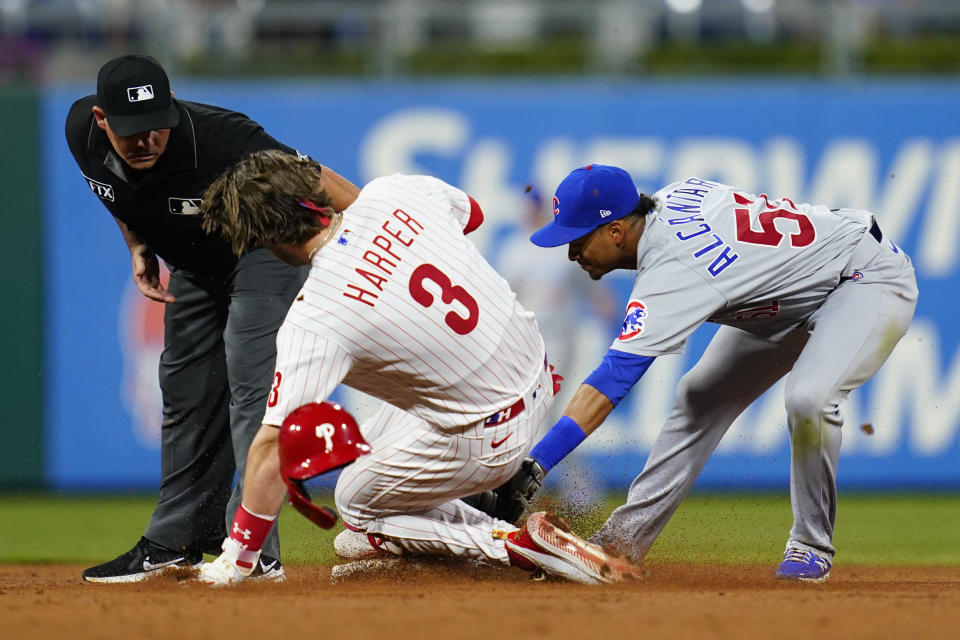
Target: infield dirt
441,600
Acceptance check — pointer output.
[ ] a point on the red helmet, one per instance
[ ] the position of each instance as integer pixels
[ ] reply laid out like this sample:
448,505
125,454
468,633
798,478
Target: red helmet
316,438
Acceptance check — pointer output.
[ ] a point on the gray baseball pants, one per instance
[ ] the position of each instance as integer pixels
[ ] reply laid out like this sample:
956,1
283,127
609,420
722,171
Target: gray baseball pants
837,349
215,372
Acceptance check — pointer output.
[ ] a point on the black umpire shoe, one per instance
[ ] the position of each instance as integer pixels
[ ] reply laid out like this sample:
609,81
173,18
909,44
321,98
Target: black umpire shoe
268,569
144,560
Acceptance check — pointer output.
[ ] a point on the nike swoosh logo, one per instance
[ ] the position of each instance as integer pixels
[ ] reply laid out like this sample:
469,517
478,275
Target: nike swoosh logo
266,567
497,443
149,566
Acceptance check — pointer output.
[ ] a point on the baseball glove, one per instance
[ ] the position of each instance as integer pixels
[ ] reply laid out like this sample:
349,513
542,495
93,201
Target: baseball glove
511,499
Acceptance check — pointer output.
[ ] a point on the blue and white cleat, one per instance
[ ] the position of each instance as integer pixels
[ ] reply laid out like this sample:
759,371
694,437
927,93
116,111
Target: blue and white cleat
803,565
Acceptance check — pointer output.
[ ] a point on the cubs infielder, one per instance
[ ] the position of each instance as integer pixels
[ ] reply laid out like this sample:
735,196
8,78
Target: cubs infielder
800,289
399,305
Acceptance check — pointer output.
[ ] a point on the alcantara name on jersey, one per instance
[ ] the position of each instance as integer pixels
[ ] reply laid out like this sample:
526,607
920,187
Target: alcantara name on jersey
689,202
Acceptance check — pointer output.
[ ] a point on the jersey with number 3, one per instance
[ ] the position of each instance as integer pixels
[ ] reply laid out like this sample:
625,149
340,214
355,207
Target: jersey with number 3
401,305
712,253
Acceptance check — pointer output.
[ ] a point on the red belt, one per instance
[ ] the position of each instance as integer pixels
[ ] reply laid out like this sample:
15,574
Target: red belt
517,407
505,414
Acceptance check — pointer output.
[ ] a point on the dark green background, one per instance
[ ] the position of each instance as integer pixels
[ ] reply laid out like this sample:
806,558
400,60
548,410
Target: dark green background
21,381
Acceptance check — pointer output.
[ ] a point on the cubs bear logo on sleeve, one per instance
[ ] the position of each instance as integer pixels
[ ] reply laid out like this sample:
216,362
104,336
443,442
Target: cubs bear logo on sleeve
633,323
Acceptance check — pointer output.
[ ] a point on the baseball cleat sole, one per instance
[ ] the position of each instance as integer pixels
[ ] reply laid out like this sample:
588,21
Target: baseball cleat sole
822,579
142,575
551,565
552,533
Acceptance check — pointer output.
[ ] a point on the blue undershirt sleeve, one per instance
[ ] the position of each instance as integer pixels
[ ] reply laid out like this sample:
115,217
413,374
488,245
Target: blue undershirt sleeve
617,374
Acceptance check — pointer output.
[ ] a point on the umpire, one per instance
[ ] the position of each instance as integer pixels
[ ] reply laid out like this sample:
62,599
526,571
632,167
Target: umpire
149,158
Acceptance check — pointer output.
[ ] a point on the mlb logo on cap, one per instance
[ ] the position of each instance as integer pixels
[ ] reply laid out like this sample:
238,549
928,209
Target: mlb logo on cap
134,92
139,94
587,198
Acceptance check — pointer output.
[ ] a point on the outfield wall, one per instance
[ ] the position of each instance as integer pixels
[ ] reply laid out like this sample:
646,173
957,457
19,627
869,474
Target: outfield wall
891,147
21,340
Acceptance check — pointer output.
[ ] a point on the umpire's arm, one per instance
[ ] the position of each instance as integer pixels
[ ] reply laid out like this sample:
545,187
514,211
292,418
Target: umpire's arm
341,191
145,266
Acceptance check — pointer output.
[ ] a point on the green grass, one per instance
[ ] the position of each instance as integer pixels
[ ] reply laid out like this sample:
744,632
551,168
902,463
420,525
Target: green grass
898,529
873,529
48,529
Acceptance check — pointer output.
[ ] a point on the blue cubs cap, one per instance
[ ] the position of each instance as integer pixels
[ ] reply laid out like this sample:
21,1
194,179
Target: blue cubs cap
587,198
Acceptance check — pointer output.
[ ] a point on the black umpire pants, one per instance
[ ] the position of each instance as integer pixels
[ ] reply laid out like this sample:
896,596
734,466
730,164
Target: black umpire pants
215,372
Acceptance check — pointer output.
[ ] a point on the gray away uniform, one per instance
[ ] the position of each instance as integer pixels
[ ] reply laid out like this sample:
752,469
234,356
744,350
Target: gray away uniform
799,289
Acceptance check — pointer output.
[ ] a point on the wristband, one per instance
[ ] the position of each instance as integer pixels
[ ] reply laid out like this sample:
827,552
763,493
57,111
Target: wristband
562,438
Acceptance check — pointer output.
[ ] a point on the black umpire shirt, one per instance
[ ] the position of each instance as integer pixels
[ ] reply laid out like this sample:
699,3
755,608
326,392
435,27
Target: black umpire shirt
160,204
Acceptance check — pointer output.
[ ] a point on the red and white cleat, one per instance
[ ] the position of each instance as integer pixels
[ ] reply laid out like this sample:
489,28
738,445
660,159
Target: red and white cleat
546,542
357,545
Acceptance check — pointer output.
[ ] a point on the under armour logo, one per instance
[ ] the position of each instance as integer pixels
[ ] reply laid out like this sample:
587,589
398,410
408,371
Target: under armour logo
243,532
326,431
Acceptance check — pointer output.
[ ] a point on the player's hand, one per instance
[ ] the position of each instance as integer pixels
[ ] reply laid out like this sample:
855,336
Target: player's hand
514,497
146,274
510,500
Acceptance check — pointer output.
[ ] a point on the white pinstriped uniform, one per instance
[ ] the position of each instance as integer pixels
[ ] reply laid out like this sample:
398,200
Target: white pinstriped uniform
402,306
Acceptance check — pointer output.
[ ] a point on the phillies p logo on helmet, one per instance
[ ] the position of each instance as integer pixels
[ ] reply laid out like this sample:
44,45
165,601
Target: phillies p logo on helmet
316,438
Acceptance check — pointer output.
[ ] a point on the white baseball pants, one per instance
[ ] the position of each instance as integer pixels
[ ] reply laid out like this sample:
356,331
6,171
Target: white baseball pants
407,490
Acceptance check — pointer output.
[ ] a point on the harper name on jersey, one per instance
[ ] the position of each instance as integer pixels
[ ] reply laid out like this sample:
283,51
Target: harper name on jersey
402,306
384,255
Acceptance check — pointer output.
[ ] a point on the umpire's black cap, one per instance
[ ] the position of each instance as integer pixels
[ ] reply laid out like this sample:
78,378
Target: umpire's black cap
134,92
